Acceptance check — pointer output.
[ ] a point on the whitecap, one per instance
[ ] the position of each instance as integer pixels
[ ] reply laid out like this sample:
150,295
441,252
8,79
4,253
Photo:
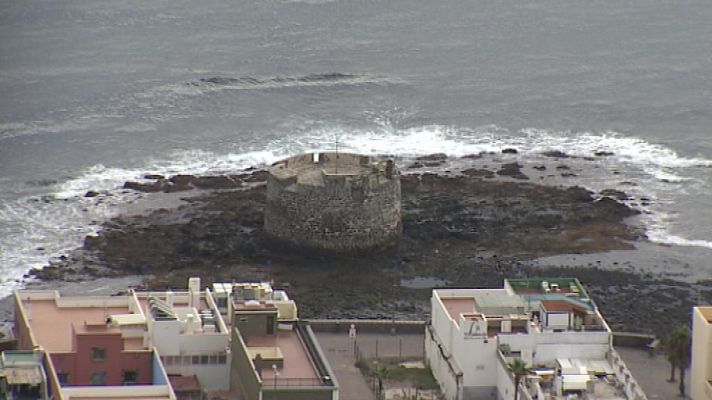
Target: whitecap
663,237
58,222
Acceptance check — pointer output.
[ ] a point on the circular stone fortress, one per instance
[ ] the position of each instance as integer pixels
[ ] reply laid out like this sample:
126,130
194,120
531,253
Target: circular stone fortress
334,202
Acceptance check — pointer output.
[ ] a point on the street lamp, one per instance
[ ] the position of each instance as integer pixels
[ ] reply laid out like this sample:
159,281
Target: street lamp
276,374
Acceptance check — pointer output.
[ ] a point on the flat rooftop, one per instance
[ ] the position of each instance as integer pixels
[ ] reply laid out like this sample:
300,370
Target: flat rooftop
297,363
457,306
52,325
524,286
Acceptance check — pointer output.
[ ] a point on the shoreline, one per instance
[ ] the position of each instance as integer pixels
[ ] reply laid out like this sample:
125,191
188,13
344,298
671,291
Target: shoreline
518,220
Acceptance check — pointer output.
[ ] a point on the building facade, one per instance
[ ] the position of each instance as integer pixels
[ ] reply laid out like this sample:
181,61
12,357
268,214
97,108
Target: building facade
93,346
701,367
550,325
189,332
274,356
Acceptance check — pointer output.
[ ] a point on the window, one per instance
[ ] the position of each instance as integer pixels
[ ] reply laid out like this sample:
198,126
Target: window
130,377
63,378
98,378
98,354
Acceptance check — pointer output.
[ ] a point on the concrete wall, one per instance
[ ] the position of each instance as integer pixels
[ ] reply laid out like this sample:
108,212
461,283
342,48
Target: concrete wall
505,381
337,212
366,326
548,346
311,393
476,355
632,339
443,366
701,366
254,323
243,377
211,376
23,334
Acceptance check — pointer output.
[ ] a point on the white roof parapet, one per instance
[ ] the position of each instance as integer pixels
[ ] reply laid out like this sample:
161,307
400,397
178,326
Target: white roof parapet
127,319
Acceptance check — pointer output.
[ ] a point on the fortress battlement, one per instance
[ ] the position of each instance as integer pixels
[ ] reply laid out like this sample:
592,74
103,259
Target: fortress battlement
339,202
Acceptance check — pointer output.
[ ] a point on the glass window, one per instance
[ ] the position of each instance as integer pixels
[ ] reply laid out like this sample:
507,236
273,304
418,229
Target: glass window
98,354
222,359
130,377
63,378
204,359
98,378
196,360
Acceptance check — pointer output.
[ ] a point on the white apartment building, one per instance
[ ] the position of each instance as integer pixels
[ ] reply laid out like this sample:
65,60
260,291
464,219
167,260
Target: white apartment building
189,332
226,294
552,325
701,367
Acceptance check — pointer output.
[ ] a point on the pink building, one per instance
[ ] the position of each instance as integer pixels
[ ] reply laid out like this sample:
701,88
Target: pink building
90,341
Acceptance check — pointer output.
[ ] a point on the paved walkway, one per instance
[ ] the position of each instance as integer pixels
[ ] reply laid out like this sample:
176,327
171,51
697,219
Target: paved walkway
652,373
339,349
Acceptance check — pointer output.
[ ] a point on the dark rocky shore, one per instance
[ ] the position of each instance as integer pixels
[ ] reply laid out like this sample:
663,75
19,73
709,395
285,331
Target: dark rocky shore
471,227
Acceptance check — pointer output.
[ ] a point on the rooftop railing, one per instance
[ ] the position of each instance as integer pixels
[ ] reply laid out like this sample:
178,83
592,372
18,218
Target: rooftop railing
271,383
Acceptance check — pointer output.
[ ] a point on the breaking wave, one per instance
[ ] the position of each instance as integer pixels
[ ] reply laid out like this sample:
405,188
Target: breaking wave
36,229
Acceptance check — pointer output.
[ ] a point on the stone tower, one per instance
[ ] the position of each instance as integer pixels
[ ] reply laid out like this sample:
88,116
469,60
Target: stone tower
335,202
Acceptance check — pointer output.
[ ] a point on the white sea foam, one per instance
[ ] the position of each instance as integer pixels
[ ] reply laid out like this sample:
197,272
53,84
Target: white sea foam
16,129
663,237
59,221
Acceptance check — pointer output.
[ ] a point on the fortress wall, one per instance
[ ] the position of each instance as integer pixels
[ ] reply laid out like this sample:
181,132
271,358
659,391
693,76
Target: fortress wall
349,213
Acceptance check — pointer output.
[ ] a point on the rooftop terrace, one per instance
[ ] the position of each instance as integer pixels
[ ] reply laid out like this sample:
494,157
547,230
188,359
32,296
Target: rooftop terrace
296,361
527,286
457,306
53,325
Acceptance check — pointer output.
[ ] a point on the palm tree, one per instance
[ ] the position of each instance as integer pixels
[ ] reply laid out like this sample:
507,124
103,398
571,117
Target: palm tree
669,350
519,369
677,350
380,372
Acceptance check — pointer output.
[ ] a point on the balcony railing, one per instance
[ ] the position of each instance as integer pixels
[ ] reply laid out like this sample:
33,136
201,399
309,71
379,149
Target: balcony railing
280,383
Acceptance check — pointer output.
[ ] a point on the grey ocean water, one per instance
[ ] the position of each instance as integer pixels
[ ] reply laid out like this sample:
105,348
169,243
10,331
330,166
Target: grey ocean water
96,92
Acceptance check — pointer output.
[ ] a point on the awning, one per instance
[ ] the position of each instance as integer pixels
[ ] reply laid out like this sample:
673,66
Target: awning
22,376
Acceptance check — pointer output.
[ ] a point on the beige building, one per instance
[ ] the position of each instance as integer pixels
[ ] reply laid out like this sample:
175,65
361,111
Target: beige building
701,370
274,355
